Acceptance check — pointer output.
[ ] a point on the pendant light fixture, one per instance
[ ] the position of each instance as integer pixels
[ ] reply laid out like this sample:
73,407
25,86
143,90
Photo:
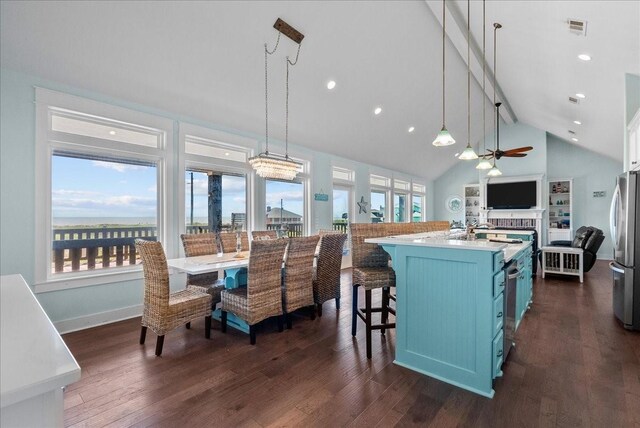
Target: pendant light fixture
443,138
468,153
484,163
268,165
494,171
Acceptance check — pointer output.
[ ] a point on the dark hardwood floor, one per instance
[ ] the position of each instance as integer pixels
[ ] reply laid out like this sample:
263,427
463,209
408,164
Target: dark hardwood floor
574,365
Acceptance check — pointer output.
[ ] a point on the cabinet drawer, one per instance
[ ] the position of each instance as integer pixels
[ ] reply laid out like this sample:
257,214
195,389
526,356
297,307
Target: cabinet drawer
498,344
498,261
498,314
498,283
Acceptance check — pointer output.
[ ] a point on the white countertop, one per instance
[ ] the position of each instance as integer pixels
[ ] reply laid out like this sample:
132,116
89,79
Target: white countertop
432,241
33,357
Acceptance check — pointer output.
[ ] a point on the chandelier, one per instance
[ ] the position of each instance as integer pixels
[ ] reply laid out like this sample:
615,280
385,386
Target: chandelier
268,165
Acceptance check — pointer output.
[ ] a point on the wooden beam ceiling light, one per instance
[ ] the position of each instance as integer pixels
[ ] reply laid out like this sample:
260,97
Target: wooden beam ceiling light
268,165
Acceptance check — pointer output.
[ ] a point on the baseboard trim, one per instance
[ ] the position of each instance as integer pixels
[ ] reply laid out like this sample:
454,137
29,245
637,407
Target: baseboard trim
94,320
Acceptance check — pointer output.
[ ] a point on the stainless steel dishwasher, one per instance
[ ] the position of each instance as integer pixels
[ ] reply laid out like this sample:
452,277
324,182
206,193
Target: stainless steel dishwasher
512,272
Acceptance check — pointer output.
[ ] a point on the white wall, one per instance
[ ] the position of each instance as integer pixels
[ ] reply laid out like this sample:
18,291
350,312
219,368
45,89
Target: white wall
78,307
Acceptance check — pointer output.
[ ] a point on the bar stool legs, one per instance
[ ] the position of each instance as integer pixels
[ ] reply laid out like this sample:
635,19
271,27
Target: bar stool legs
365,314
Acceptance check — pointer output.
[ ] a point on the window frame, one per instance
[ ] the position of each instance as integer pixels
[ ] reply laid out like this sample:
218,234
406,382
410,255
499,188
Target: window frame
219,139
423,198
50,102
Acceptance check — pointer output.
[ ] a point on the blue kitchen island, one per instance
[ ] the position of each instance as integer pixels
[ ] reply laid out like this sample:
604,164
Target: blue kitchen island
450,314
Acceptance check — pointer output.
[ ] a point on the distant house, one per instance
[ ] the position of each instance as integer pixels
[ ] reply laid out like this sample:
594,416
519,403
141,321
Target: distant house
275,216
377,216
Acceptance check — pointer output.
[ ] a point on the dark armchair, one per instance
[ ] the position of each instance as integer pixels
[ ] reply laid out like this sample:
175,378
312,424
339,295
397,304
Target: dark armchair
588,238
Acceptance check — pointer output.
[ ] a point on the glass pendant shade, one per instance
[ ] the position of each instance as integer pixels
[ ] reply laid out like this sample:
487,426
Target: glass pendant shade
468,153
443,138
270,166
494,171
484,164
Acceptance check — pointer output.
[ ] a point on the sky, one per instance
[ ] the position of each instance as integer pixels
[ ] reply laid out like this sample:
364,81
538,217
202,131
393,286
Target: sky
95,188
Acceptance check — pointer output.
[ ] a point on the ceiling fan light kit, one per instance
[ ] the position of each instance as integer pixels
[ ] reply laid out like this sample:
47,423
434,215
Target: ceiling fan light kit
266,164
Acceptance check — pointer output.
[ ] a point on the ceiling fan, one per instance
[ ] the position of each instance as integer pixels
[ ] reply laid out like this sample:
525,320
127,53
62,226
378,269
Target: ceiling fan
497,153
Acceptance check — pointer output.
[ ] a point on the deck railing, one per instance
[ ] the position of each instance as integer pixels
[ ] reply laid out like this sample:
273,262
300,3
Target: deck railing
89,248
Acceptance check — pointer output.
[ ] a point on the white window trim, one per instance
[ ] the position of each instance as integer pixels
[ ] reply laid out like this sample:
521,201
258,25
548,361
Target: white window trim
46,99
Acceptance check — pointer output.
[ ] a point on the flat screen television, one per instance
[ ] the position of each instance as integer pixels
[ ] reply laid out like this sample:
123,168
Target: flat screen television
516,195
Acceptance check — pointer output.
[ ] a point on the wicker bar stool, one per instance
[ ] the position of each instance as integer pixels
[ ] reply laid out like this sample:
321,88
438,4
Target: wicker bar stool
262,297
163,310
298,276
326,281
371,270
228,241
200,244
259,235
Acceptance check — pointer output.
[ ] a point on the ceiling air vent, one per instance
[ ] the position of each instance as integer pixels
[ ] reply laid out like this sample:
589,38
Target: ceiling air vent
572,132
577,26
574,100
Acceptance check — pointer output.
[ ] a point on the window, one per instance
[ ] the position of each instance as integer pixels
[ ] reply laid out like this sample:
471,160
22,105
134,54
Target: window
418,202
228,195
104,169
341,208
285,207
418,198
399,207
215,189
343,174
378,206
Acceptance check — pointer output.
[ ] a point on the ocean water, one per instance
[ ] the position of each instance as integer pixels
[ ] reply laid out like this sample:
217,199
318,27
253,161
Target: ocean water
141,221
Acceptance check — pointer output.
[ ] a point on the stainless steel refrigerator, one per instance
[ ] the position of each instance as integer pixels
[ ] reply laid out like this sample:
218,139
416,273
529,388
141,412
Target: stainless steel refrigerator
625,232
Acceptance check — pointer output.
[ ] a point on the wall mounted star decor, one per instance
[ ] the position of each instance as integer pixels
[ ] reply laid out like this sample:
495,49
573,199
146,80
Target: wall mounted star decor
362,205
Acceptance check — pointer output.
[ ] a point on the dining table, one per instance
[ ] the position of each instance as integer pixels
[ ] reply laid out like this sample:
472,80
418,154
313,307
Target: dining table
235,267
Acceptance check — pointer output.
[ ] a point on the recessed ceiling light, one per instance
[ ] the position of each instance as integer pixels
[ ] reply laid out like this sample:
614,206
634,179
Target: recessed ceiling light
584,57
226,153
411,129
574,139
577,122
112,132
581,96
456,155
377,110
331,84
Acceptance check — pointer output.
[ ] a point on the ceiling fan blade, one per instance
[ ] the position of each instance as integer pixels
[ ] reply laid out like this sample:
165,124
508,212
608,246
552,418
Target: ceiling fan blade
514,155
518,150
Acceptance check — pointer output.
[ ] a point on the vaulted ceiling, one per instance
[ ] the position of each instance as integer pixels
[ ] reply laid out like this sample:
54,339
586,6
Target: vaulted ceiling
205,60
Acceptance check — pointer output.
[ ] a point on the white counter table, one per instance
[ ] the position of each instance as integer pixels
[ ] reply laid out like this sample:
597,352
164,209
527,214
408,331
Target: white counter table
35,362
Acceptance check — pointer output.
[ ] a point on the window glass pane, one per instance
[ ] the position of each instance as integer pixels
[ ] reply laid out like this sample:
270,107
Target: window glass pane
105,131
378,204
98,208
401,185
285,207
214,151
417,208
418,188
378,180
229,196
399,207
342,174
340,209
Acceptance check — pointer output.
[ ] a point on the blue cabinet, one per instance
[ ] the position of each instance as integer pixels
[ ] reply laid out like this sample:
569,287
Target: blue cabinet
450,311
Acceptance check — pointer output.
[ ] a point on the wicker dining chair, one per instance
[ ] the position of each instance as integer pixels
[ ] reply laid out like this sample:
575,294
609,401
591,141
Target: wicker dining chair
298,276
228,241
371,271
326,281
164,311
258,235
200,244
262,297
